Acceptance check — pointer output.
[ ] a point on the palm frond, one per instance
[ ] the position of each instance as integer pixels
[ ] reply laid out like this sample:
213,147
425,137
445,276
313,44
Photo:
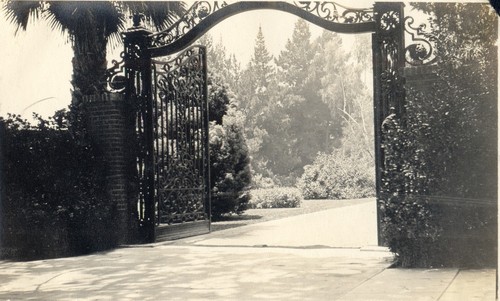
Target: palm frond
85,16
159,14
20,12
61,16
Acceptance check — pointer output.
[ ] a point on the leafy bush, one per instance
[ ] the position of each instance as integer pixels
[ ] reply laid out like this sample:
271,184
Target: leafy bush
54,187
230,169
339,175
423,233
445,145
284,197
468,236
260,181
407,221
230,172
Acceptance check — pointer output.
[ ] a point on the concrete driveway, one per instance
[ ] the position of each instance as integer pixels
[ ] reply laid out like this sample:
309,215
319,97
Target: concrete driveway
345,227
164,272
326,255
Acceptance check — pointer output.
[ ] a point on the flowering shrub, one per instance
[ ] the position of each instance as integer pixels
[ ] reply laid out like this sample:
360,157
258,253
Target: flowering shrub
284,197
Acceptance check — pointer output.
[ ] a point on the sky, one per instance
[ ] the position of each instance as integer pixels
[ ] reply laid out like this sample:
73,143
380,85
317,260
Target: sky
36,64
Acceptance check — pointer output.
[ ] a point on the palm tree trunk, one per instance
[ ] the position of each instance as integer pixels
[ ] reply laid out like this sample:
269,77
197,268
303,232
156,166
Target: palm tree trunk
89,69
89,63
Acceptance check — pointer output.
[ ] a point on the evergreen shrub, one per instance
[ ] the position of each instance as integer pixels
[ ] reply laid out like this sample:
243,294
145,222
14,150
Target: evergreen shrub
283,197
422,229
55,202
438,195
408,223
230,169
230,173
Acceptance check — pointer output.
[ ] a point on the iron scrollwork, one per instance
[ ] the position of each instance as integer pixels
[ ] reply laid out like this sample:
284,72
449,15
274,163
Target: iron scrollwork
421,50
131,61
388,71
195,14
389,20
181,129
389,46
335,12
115,76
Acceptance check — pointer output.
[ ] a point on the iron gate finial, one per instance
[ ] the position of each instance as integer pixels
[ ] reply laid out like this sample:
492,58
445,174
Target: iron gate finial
137,19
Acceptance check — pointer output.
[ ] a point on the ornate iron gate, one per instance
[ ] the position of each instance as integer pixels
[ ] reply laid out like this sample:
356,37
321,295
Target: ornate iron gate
170,98
181,157
171,117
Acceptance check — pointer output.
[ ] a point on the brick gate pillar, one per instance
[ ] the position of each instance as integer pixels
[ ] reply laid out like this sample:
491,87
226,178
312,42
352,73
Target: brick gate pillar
111,126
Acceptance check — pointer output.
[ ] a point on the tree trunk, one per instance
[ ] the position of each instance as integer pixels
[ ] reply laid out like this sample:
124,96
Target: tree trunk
89,69
89,63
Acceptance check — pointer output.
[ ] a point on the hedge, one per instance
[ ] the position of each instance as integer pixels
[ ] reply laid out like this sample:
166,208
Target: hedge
284,197
55,201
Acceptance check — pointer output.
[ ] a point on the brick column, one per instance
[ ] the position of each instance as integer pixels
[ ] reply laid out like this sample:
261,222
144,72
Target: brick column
111,126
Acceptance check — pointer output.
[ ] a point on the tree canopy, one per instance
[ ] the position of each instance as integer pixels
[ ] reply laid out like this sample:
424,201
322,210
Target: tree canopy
311,99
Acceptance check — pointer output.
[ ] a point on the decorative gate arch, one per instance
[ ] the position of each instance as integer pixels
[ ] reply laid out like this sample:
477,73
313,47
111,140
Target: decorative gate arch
171,99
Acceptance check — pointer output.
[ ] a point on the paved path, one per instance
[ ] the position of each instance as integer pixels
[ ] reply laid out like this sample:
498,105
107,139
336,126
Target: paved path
346,227
300,268
193,273
426,285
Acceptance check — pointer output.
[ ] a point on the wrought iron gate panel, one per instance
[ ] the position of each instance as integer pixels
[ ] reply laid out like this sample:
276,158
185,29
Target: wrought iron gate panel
180,121
388,50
